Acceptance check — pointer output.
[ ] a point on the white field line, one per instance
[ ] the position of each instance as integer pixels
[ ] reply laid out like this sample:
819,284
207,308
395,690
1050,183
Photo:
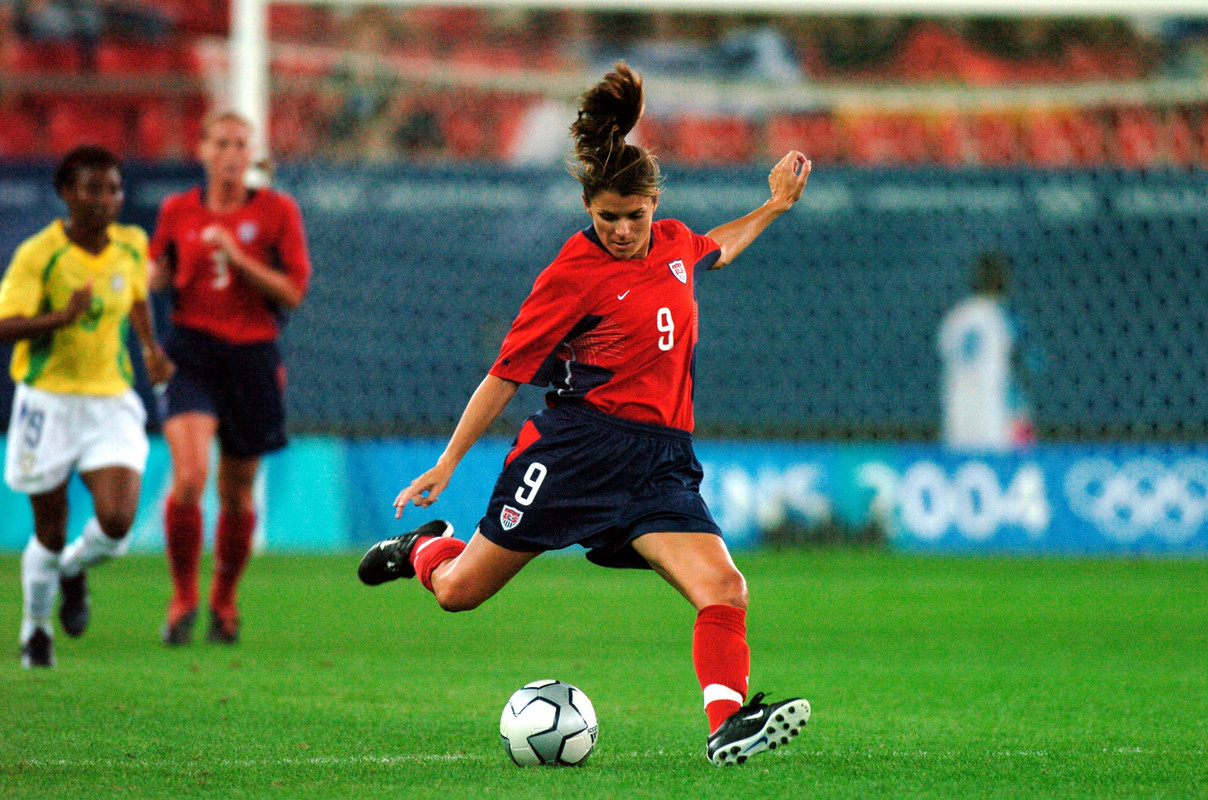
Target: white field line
287,761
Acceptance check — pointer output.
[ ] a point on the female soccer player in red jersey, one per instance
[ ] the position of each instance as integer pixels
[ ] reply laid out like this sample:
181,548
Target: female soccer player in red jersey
611,326
235,259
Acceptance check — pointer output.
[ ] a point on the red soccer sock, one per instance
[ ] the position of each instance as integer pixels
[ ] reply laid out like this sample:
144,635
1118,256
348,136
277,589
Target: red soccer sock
232,546
182,535
722,660
432,551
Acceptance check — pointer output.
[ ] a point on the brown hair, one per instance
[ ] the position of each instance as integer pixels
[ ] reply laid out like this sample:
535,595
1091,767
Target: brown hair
607,113
83,157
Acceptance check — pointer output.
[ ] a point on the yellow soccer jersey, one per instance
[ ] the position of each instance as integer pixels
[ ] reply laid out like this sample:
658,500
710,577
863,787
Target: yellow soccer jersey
88,356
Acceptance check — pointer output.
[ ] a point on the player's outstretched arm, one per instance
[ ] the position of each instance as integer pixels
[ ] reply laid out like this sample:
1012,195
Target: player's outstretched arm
787,182
485,406
16,328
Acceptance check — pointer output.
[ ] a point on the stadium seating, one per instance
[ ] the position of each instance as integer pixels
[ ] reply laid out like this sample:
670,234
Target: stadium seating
476,124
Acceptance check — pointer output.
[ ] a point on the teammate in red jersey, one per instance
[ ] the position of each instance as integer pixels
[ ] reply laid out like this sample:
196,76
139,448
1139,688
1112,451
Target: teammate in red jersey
235,260
611,326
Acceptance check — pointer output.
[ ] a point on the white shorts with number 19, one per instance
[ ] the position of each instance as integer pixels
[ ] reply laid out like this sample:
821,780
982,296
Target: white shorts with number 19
52,433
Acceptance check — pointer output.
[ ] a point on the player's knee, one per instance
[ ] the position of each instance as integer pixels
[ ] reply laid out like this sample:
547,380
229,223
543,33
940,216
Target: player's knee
236,502
188,484
728,589
115,524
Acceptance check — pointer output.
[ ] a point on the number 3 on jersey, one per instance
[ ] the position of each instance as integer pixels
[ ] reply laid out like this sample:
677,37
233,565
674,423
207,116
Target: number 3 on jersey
666,326
222,270
533,477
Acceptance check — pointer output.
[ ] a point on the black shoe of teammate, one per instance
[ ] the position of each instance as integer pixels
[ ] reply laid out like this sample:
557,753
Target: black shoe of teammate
180,631
222,631
38,650
390,559
756,727
73,607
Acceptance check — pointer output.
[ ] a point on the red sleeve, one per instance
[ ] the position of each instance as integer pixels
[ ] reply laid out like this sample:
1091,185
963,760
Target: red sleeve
548,316
705,251
291,249
705,247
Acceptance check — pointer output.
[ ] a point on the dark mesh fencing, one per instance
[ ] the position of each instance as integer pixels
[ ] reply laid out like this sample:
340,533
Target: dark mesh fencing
824,328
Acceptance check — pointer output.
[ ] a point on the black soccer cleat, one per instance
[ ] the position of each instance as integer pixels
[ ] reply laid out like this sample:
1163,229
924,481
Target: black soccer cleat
74,609
38,650
756,727
222,631
390,559
179,631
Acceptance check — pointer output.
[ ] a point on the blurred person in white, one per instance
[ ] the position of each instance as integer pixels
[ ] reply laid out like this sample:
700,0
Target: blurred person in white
984,403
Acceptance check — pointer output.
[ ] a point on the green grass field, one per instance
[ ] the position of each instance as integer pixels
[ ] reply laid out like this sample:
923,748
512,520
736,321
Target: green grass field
929,677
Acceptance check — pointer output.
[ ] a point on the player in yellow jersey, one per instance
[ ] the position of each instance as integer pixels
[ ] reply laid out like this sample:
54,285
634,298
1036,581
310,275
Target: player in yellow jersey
67,299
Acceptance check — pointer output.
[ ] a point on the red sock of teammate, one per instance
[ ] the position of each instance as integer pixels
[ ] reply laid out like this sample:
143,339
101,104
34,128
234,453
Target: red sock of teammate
232,546
182,534
432,551
722,660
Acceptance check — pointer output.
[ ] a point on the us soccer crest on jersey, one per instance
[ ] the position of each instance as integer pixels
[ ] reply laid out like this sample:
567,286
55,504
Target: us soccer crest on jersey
677,269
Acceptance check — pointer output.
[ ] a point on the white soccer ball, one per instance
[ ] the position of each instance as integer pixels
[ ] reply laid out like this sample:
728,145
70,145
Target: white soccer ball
548,722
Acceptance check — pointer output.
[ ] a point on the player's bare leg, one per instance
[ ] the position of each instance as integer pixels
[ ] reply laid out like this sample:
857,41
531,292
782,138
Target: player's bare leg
188,436
232,543
475,575
462,576
114,493
699,566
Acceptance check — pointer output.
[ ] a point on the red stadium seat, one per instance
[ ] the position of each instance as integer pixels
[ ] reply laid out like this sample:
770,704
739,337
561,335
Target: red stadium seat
952,140
73,123
816,135
876,139
995,141
1137,141
34,57
136,59
19,134
1047,141
713,140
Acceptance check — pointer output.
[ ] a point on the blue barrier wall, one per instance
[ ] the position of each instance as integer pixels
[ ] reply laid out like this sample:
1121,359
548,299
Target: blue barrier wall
824,327
325,494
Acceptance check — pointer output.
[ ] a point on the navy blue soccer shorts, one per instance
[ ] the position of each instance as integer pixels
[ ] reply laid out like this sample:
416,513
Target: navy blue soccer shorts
242,385
575,475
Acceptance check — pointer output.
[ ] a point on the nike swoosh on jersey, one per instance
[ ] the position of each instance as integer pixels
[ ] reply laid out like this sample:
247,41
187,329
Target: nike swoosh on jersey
623,296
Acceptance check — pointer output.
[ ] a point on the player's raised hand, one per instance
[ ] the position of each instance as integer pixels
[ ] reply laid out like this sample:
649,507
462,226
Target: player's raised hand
220,238
424,490
788,177
159,367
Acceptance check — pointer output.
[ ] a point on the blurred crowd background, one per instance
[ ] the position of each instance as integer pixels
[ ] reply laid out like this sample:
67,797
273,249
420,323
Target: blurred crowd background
373,83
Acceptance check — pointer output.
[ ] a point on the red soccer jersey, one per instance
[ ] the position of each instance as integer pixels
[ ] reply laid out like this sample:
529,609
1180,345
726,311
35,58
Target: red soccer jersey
618,335
208,295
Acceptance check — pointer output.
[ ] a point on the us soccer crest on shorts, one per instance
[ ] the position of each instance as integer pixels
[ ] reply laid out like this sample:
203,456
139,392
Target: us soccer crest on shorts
510,517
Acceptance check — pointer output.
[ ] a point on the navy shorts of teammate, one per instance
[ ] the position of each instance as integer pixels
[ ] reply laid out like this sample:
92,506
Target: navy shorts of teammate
579,476
242,385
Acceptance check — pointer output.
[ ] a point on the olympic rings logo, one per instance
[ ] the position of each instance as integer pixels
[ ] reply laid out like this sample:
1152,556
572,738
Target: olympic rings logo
1140,497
